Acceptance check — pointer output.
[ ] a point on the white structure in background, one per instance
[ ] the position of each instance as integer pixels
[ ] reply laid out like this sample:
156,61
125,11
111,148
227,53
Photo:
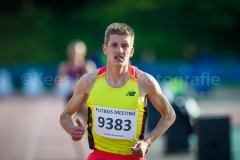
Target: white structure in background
32,82
193,108
190,105
62,89
168,93
6,83
185,103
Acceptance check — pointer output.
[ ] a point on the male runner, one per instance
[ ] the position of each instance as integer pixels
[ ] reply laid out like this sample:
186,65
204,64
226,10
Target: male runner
116,96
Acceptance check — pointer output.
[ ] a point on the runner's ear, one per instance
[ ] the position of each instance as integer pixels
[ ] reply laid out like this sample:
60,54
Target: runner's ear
104,48
131,52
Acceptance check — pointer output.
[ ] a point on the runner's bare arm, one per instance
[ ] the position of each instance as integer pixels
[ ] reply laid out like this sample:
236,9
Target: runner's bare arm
153,92
81,91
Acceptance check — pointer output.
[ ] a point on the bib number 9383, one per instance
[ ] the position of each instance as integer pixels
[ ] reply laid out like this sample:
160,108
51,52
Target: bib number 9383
115,123
118,124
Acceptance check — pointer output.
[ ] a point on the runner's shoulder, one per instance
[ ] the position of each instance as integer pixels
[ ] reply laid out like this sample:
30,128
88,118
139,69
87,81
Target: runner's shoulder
144,77
90,77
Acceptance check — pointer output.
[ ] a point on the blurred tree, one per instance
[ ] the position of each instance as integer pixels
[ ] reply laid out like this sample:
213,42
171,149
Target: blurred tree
39,30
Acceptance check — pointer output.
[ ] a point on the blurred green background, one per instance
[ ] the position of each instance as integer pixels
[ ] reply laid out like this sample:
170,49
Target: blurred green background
39,30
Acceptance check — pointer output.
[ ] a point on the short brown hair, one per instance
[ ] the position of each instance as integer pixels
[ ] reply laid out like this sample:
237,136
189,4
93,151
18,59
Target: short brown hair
119,29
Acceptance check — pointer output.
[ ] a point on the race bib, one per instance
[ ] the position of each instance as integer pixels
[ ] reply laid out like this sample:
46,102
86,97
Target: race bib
115,123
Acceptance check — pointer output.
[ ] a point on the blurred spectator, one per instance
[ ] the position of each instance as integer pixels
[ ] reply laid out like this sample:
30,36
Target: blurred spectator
74,68
70,72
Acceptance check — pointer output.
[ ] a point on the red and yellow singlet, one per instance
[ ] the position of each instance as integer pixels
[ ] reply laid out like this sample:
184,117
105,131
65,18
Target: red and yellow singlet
116,116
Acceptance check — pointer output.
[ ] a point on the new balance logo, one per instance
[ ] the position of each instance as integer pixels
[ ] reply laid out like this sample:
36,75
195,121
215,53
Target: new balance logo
130,93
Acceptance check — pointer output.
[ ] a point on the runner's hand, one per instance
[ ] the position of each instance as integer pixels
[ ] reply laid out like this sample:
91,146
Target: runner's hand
77,132
139,149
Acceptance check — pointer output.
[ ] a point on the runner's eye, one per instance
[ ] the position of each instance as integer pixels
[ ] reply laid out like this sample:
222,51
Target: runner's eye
125,46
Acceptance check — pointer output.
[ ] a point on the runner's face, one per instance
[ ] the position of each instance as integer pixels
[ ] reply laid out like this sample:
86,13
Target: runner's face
118,50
